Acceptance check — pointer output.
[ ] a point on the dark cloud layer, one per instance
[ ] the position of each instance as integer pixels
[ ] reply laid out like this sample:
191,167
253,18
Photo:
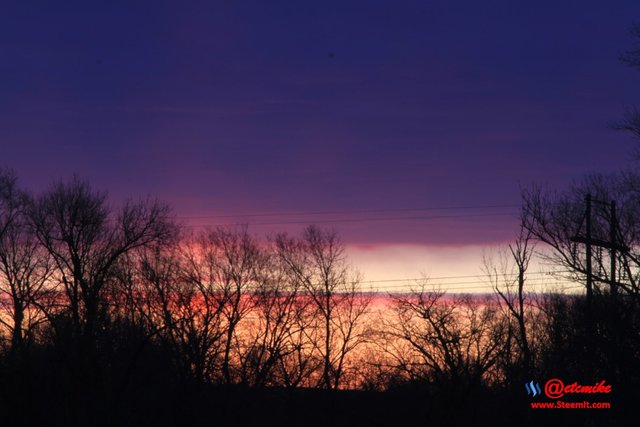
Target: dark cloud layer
227,107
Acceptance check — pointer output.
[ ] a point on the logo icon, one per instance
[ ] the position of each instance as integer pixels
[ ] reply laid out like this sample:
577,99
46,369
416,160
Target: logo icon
533,388
554,388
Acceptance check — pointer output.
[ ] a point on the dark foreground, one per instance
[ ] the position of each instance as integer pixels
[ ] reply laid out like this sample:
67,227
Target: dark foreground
236,406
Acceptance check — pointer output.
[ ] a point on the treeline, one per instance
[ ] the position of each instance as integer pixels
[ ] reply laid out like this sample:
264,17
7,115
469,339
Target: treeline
120,316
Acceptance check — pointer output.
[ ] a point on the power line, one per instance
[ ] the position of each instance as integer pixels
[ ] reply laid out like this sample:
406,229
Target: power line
475,282
481,281
340,212
352,220
465,288
470,276
529,282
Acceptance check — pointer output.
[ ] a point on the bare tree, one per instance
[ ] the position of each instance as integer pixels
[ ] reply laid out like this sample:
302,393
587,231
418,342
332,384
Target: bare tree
24,267
85,239
274,328
184,306
452,342
226,266
556,218
239,265
299,362
604,325
508,278
318,262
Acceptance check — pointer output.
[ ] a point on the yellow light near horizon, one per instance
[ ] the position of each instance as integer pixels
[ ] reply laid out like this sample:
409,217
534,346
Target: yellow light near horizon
457,269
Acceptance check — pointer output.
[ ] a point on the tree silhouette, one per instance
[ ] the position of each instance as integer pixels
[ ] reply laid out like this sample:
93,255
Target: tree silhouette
274,334
85,240
24,268
318,262
447,341
111,312
508,277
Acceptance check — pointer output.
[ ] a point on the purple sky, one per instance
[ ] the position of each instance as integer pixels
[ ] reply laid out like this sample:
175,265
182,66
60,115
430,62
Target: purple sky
261,106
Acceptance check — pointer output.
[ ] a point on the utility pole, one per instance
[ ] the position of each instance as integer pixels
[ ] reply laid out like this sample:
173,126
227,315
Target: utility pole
615,248
612,239
611,244
588,243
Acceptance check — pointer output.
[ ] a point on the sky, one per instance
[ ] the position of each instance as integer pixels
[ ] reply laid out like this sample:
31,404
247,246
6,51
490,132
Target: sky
409,126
